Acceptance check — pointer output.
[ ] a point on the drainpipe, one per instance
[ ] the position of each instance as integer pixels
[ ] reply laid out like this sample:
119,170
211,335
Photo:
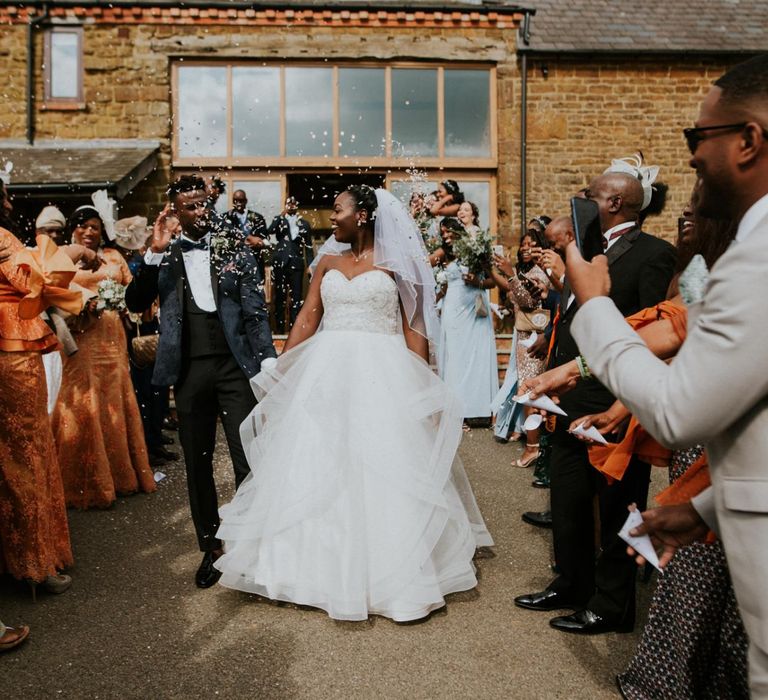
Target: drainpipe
525,38
33,23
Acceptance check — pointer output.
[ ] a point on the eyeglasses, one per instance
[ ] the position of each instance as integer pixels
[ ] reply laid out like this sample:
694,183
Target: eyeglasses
695,135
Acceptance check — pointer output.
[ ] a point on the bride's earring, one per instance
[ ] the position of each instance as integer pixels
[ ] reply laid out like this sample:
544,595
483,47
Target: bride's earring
359,223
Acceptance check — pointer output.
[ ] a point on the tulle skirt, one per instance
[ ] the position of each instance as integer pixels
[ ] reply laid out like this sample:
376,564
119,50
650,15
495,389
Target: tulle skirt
357,502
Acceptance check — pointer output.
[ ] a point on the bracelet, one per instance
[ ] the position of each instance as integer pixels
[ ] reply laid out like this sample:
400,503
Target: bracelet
584,371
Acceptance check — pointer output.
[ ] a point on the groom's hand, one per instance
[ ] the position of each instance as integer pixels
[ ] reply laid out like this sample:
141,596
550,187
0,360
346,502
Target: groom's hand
587,279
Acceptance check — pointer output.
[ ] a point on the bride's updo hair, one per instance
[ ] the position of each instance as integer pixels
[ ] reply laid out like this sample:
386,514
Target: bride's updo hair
365,200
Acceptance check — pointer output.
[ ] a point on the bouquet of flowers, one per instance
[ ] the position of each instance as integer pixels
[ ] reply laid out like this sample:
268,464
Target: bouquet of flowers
441,278
111,296
474,250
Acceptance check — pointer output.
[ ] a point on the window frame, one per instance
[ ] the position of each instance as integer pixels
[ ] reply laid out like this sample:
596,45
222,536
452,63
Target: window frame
335,160
63,103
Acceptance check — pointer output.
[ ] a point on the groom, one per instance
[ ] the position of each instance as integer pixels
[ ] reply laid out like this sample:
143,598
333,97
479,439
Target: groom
214,336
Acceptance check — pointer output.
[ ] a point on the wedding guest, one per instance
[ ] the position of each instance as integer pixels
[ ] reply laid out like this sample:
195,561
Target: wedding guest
52,223
34,537
11,637
131,236
469,215
214,337
528,288
96,422
449,198
602,589
467,359
215,187
450,228
250,227
685,402
292,257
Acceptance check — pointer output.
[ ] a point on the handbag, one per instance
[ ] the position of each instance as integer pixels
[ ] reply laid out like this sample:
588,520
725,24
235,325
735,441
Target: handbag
144,348
480,309
529,321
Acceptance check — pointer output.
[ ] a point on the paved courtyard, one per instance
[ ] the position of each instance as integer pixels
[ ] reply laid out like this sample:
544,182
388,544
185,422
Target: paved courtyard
133,624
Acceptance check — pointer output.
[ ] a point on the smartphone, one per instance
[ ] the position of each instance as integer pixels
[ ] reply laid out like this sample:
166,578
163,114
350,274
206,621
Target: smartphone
586,227
498,250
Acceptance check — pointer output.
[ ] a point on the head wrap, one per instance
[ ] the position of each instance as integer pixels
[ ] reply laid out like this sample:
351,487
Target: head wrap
633,165
50,216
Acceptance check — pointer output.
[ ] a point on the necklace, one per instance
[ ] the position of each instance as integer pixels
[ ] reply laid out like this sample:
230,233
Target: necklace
362,255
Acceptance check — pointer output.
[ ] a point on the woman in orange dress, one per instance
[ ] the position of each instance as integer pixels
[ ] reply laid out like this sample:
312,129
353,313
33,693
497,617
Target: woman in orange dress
96,422
34,536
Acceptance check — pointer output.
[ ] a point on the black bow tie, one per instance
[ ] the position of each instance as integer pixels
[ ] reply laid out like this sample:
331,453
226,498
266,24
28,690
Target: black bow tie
186,245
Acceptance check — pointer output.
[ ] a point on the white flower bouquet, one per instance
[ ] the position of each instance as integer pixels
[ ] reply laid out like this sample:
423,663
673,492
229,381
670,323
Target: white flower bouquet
111,296
474,249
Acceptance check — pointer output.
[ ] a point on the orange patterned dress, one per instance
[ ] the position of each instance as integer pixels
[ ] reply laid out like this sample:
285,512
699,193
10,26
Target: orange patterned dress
34,533
96,422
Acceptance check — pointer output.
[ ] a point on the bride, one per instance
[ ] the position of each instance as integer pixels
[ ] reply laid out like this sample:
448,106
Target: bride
357,502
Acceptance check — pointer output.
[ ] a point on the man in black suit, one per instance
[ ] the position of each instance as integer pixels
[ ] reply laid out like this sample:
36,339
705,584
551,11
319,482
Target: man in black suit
214,336
249,226
293,254
603,591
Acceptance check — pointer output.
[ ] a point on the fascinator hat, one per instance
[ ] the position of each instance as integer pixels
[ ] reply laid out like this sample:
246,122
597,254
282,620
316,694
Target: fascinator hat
131,233
633,165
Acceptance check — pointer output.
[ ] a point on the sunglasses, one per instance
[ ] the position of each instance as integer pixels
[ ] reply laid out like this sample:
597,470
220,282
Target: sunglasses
695,135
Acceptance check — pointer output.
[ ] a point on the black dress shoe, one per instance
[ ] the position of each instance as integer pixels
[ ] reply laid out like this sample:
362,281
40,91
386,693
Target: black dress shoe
164,453
543,519
207,574
539,484
544,600
587,622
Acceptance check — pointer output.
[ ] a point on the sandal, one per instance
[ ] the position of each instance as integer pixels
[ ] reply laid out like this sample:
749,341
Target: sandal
528,462
13,636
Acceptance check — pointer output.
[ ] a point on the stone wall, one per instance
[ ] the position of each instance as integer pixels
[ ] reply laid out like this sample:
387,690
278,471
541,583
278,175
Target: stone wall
582,112
127,78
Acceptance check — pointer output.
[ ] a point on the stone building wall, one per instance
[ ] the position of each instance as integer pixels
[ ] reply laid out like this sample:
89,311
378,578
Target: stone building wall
581,114
127,80
585,113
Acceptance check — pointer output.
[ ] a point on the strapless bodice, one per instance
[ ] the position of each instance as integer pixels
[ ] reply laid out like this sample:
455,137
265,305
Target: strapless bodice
367,302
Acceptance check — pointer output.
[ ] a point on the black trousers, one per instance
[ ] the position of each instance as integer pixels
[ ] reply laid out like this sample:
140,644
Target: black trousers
153,405
605,585
289,280
211,388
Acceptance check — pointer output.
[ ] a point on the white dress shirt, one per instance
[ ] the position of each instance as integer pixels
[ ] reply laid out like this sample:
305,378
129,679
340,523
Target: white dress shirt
293,225
616,229
197,264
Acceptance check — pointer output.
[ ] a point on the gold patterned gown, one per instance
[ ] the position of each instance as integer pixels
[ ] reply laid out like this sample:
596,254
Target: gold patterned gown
96,422
528,366
34,534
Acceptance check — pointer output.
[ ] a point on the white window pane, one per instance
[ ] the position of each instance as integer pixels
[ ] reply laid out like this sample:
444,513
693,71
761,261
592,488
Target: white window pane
467,113
404,189
264,196
480,194
202,117
256,105
308,111
414,112
65,65
362,120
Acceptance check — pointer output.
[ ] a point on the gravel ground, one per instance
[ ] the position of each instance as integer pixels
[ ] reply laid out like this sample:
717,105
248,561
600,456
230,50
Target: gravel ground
133,624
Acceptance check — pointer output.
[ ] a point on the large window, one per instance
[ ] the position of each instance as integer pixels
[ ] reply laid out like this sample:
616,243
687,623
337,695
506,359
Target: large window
344,115
63,65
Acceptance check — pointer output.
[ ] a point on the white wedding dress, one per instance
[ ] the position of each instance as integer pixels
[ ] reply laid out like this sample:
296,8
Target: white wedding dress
357,502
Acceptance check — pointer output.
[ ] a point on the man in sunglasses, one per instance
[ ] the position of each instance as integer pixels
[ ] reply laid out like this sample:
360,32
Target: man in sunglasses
716,390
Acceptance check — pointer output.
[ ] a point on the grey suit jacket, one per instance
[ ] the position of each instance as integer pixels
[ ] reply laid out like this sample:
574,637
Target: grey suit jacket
714,393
